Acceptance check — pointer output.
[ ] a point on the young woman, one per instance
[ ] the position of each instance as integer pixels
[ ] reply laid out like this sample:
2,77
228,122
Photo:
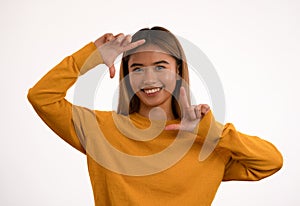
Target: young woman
147,152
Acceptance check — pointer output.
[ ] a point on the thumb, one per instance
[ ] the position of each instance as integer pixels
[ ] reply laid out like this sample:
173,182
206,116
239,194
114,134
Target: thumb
112,71
173,127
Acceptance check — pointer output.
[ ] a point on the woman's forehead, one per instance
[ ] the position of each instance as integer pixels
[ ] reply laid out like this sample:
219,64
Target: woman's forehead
149,53
150,57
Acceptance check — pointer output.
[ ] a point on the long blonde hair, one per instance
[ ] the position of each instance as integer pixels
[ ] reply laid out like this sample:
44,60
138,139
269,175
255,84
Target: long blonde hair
165,40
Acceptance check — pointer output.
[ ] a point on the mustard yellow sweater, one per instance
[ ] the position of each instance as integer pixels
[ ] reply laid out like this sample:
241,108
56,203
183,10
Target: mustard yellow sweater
121,172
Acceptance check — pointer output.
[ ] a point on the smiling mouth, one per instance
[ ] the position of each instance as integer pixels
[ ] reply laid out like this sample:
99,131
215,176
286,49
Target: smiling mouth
151,91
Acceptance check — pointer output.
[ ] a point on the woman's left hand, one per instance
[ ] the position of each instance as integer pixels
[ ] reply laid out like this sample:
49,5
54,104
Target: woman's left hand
191,114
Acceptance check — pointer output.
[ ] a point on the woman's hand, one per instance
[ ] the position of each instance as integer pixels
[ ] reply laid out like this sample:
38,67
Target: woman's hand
110,47
191,115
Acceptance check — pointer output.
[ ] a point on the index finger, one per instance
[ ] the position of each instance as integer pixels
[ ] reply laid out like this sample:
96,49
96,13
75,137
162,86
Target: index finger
183,100
135,44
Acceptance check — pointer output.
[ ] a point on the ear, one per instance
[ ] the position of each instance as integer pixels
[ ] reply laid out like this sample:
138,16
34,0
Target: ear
178,77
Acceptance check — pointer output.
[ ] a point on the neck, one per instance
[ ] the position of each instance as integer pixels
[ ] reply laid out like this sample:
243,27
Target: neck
157,113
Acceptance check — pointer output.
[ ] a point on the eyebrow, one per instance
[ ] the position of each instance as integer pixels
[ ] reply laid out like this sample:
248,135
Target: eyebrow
155,63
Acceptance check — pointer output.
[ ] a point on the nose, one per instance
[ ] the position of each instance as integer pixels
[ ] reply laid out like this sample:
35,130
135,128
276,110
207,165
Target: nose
150,76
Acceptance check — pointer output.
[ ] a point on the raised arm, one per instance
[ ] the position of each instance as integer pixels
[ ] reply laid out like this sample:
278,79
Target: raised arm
247,157
48,94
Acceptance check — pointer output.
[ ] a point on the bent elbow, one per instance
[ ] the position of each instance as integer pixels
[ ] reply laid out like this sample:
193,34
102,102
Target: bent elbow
278,162
273,166
31,96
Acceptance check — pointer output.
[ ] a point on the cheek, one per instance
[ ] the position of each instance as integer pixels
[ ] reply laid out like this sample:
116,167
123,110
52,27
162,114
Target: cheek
169,80
135,82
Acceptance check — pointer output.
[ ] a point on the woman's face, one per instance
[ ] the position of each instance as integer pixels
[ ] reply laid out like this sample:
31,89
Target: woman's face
153,74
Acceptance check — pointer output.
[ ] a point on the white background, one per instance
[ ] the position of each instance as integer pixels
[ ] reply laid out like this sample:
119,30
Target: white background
254,46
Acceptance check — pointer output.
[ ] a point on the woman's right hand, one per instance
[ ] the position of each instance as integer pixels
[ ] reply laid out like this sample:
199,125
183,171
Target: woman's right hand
110,47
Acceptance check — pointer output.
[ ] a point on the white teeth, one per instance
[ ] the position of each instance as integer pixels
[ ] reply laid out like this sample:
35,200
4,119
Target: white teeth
151,91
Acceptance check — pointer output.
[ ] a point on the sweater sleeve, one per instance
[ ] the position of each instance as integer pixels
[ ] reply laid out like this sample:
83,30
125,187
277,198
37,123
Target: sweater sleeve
48,94
250,157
